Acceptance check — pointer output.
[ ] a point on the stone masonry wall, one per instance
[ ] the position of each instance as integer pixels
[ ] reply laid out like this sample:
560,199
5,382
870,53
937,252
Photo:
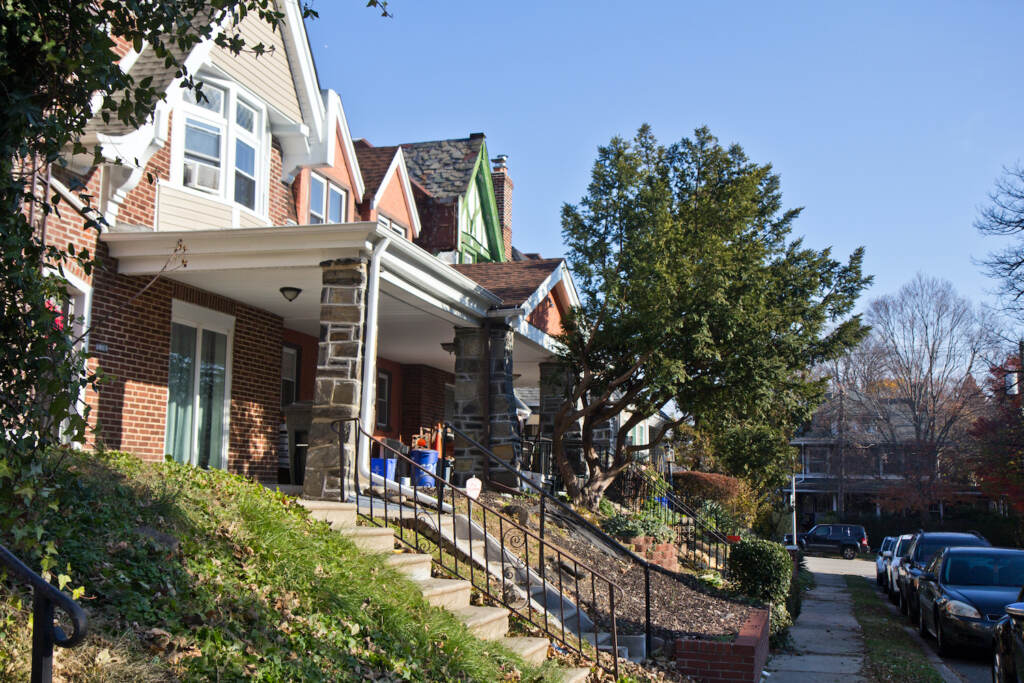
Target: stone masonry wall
338,374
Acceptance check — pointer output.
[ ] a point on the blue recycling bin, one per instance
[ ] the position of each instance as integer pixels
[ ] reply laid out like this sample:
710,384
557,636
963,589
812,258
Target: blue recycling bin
384,467
426,459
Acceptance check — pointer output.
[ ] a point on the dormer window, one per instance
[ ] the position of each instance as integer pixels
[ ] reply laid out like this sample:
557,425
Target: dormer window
327,201
223,150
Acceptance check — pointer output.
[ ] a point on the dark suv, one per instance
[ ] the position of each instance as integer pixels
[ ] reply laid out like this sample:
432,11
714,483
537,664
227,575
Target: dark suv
846,539
925,546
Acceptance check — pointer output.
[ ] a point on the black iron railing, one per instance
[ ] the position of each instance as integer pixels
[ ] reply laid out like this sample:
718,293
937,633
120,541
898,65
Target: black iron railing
507,561
45,633
703,534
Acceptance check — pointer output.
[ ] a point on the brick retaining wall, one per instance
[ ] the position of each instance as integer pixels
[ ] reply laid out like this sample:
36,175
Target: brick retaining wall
739,661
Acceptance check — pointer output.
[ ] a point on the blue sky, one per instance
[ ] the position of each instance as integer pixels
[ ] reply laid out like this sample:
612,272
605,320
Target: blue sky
888,122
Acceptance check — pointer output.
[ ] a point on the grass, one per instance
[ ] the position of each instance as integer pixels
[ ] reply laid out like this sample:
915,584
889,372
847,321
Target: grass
891,653
253,590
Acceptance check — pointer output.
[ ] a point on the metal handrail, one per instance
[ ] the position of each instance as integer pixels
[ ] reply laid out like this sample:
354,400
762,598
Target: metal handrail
517,537
676,506
46,634
577,519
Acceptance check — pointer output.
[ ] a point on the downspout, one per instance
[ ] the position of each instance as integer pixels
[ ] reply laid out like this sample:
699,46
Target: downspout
369,359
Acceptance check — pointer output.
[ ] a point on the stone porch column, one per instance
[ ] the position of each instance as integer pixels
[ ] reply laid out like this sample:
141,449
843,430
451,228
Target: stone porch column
485,406
506,439
338,374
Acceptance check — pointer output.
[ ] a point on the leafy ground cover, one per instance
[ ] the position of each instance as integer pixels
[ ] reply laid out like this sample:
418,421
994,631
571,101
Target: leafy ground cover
196,575
891,653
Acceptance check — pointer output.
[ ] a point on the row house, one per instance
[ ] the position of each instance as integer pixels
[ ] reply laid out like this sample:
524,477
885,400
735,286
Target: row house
263,275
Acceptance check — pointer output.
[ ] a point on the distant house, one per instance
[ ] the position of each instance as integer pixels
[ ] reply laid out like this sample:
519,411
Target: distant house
848,461
321,278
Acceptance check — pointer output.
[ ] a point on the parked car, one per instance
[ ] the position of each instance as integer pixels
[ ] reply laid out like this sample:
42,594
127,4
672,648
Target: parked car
882,561
962,593
899,554
1008,637
845,539
925,546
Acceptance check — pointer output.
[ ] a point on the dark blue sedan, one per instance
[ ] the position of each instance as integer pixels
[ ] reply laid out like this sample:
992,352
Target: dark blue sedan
963,592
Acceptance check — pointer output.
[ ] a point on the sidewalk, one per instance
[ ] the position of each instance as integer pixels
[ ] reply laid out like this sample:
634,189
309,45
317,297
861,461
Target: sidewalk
826,638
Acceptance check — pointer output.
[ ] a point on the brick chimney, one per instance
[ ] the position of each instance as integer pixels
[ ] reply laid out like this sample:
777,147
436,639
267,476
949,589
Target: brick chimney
503,197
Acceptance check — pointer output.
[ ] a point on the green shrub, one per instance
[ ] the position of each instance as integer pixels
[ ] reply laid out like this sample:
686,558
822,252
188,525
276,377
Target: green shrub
627,526
762,570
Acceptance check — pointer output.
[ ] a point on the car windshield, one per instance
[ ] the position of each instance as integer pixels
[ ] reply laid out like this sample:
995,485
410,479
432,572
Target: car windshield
903,547
984,570
927,548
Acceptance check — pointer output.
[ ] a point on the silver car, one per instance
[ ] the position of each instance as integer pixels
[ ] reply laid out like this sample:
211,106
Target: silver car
882,559
899,554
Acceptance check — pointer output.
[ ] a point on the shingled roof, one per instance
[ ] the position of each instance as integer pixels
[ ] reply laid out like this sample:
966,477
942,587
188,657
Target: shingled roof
373,163
513,281
146,65
443,167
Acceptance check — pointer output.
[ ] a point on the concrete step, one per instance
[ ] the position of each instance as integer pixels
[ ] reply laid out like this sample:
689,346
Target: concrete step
596,639
373,539
486,623
413,565
286,489
446,593
576,675
332,512
533,650
623,651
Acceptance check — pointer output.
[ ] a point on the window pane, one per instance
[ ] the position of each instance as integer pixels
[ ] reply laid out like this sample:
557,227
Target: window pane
245,190
316,199
212,379
336,206
245,117
180,381
214,98
245,158
202,140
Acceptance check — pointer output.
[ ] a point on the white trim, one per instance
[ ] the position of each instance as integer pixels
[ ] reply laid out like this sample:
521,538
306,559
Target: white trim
398,166
296,43
201,319
336,121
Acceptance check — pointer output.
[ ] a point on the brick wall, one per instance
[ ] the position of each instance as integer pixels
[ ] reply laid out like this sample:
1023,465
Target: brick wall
422,398
740,661
282,200
139,206
503,197
130,341
65,226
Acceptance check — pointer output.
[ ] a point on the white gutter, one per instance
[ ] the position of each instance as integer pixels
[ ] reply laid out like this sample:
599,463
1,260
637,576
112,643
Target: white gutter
369,359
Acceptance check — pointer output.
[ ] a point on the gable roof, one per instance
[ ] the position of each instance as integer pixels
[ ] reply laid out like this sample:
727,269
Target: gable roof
374,163
443,167
514,281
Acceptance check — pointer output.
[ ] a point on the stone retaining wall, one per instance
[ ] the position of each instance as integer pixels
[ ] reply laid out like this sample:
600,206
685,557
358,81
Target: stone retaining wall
740,661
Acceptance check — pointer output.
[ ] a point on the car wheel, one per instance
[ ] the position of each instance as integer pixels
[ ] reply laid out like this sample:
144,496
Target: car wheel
941,644
902,602
912,611
849,552
893,595
878,578
922,625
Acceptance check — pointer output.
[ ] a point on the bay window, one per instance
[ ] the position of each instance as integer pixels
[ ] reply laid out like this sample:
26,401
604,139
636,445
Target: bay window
224,147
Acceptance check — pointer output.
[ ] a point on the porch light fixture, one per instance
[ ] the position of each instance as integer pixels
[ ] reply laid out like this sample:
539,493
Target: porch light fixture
290,293
448,346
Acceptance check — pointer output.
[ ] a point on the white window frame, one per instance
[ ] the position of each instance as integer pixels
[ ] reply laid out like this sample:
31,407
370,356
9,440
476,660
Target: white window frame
231,131
322,216
80,295
388,224
294,351
201,319
387,398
